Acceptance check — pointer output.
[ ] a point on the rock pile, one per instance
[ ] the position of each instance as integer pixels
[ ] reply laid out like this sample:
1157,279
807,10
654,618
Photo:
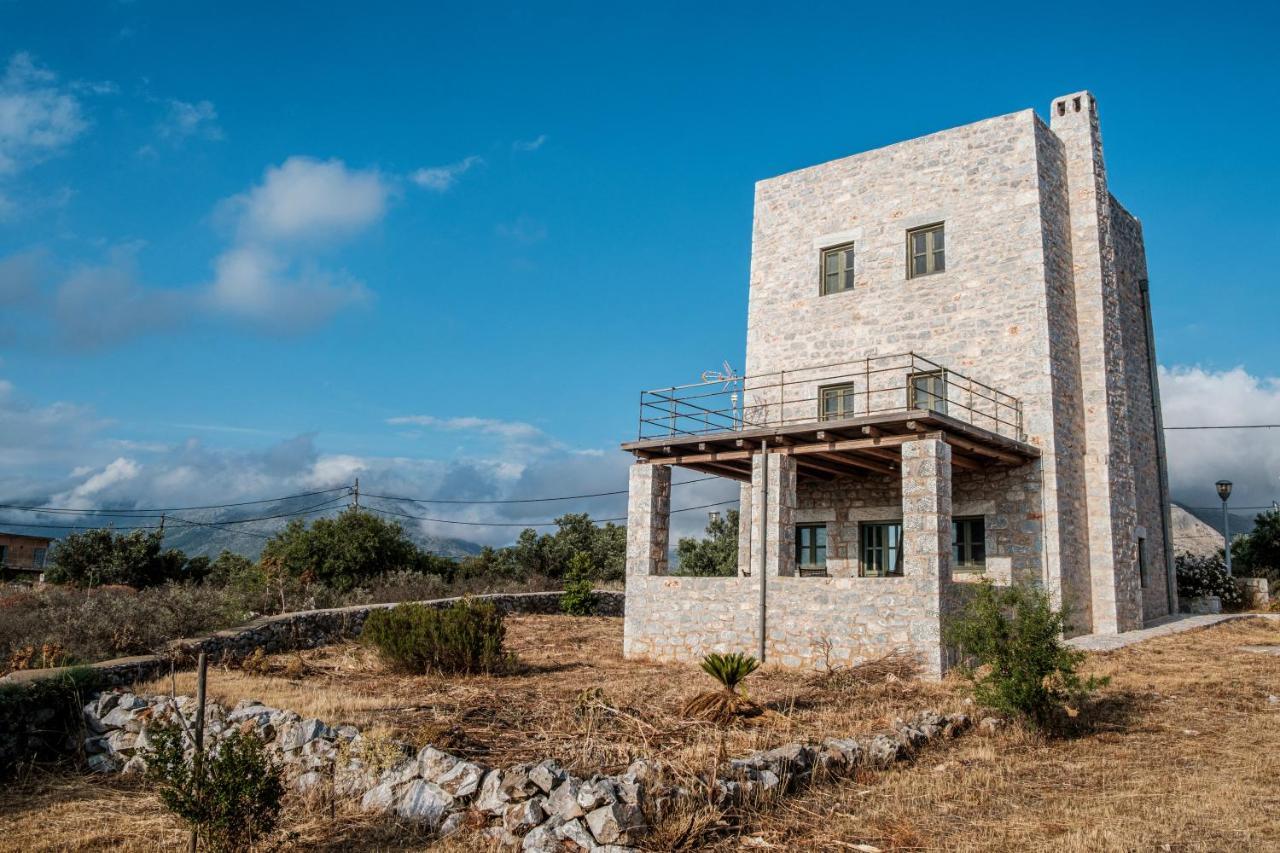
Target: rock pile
536,807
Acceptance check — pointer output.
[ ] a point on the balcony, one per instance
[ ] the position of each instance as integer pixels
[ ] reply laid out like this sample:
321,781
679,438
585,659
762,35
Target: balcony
850,415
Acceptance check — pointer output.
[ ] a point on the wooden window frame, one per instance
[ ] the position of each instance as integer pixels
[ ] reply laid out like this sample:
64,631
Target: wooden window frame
838,387
931,266
962,565
898,569
912,403
812,569
845,270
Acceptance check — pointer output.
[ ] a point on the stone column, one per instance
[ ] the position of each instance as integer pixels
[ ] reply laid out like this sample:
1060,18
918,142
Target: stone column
744,529
780,545
648,519
926,543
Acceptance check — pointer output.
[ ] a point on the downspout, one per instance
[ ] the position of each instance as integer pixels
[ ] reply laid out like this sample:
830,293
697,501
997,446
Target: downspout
1171,572
764,539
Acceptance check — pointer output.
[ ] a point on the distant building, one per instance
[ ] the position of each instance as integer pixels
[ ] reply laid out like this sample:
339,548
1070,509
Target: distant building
951,375
20,553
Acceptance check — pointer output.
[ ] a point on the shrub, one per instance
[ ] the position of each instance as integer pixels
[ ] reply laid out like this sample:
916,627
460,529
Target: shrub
714,556
721,705
578,599
230,798
38,719
1201,576
345,551
464,637
1015,634
102,556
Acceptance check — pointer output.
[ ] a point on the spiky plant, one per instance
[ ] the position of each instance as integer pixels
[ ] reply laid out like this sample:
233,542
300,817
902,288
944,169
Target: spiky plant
723,705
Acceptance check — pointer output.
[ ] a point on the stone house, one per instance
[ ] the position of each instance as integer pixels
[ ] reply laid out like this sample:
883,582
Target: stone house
22,554
950,375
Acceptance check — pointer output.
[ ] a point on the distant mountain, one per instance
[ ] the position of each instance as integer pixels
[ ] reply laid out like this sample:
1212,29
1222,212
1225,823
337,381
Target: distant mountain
1213,518
208,532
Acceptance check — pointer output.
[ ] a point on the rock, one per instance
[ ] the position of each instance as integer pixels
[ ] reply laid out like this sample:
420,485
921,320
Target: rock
912,738
794,758
596,793
616,822
257,712
348,733
379,798
543,838
94,745
106,701
424,801
516,784
727,793
956,724
546,775
990,725
1273,700
102,763
643,770
492,799
353,777
92,721
884,751
843,753
130,702
308,782
564,800
501,836
121,741
433,764
629,790
521,817
299,735
134,766
401,773
118,717
452,824
575,832
463,780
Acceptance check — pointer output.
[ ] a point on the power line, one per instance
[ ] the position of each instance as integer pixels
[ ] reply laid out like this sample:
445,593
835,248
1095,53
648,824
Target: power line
142,512
528,523
332,503
519,500
1229,426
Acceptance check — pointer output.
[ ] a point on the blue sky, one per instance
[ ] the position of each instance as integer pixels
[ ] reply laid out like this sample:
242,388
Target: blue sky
250,247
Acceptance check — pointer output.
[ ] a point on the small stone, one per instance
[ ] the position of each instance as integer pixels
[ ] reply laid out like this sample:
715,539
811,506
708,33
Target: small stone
546,775
401,773
308,782
102,763
433,763
543,838
346,732
516,784
121,741
379,798
117,717
615,822
990,725
134,766
884,751
492,799
452,824
463,780
564,800
576,832
299,735
424,801
596,793
519,818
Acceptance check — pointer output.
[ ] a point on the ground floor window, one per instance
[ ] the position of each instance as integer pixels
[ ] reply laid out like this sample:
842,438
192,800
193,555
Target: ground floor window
1142,561
881,549
969,544
811,549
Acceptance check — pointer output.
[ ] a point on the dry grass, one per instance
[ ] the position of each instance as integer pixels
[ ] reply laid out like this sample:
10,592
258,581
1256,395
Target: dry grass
1181,750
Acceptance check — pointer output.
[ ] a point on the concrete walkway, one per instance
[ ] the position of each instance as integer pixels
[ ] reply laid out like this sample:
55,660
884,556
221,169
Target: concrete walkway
1163,627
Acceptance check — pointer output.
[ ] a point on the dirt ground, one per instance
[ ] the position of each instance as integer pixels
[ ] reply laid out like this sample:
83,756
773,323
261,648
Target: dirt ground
1179,753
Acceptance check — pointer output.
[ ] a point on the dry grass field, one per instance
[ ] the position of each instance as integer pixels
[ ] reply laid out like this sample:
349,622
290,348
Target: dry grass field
1179,753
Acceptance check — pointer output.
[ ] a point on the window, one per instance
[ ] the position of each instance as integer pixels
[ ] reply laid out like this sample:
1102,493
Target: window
837,269
969,544
926,251
811,549
4,554
928,391
37,558
1142,561
882,549
835,402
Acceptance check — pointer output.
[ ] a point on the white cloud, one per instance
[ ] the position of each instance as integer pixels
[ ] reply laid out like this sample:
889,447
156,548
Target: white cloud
121,470
441,178
308,199
184,119
262,286
529,144
1192,396
525,229
100,305
487,426
37,116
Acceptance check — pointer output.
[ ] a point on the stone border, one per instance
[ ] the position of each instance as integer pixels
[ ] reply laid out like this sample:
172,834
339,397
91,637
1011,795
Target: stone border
536,807
304,629
1164,627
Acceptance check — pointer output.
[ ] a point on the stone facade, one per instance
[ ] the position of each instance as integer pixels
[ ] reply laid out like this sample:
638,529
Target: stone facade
1044,296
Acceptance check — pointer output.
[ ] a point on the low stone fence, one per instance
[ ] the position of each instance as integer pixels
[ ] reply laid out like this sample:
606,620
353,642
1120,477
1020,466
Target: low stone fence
287,632
538,807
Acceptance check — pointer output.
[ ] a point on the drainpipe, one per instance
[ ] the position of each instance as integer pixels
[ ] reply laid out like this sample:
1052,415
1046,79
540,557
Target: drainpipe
764,538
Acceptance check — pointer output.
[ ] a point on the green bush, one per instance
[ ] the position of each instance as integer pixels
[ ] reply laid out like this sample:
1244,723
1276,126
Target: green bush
1014,634
1201,576
464,637
578,599
103,556
729,669
231,798
714,556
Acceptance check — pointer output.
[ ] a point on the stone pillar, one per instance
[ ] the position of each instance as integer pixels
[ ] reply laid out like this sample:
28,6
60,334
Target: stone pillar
744,529
926,543
780,545
648,519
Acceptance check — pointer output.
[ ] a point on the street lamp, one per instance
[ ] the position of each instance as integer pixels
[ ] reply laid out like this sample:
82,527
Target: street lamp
1224,492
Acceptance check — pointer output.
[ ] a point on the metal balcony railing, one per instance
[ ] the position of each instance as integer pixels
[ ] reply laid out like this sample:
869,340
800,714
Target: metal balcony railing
875,386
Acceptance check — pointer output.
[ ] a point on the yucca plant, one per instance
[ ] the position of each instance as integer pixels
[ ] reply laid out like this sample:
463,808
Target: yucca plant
722,705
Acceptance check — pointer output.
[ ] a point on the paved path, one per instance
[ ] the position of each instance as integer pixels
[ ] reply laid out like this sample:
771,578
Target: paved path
1175,624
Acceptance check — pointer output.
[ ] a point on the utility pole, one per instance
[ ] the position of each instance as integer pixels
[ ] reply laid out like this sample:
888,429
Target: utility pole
355,494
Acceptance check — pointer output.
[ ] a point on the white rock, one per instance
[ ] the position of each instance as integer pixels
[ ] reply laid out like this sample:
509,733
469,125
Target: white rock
463,780
433,764
564,800
309,781
596,793
492,799
402,772
519,818
424,801
615,822
379,798
543,838
452,824
546,775
575,832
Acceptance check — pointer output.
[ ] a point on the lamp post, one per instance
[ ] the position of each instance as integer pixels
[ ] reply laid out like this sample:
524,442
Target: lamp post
1224,492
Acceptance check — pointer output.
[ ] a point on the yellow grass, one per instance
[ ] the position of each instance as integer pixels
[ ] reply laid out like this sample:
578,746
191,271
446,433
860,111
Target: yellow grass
1182,752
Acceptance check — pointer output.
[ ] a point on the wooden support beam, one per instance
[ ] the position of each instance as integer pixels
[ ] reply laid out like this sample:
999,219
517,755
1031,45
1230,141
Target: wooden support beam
916,426
694,458
866,464
806,462
982,449
964,463
847,444
872,430
720,470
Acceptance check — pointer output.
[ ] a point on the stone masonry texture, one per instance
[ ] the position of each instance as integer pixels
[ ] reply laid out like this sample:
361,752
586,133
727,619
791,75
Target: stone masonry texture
1044,297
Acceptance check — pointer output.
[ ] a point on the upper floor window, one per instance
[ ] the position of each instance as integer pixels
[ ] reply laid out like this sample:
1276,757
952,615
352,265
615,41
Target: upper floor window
837,269
926,251
928,390
881,549
969,544
835,402
811,549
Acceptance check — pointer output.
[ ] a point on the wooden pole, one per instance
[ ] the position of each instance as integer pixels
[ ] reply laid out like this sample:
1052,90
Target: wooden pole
202,671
